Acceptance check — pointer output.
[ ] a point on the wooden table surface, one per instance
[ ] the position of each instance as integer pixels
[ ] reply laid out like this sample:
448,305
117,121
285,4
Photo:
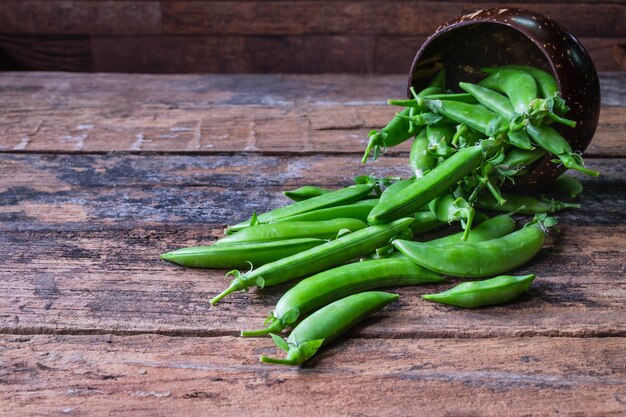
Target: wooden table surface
100,173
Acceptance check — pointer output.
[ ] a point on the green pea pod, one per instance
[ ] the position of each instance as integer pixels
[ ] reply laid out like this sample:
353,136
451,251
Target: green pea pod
439,139
439,80
568,185
425,221
239,255
358,210
517,161
552,141
476,116
306,192
519,86
396,188
327,323
498,290
336,198
502,106
420,160
331,285
491,257
326,229
330,254
492,228
448,208
522,204
547,84
490,99
431,185
398,130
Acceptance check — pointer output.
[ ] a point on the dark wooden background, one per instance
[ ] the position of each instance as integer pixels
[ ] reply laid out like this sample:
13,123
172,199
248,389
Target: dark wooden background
291,36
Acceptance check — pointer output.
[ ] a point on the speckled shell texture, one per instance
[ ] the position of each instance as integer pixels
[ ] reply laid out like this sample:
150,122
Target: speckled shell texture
495,37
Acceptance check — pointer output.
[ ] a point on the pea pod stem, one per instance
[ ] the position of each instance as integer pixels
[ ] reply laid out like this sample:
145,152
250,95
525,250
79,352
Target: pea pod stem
308,262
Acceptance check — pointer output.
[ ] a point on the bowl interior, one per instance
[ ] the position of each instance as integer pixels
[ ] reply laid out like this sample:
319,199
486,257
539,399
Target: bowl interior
465,48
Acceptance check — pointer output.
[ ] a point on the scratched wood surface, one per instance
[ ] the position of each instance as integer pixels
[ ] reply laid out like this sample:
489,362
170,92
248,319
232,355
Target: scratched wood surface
101,173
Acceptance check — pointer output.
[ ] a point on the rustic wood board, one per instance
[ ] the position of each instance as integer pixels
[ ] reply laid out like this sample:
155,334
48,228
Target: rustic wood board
101,173
216,114
165,376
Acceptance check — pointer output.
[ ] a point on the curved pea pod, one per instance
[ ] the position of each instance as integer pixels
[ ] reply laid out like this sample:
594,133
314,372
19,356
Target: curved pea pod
552,141
517,161
326,229
420,160
498,290
431,185
519,86
240,254
492,228
476,116
331,285
546,82
481,259
326,324
522,204
358,210
396,188
567,185
424,221
439,80
336,198
490,99
305,192
325,256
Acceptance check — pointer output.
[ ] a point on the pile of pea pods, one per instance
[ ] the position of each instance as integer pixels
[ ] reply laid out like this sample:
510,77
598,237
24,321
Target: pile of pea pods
374,234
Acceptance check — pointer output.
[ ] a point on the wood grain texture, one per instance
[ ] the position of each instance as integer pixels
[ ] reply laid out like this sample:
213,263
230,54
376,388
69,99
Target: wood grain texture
82,234
46,52
101,173
91,192
310,54
354,17
303,114
79,17
156,375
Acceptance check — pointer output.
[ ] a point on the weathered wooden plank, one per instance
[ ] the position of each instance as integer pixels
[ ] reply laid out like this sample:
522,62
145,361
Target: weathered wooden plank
391,17
234,54
113,282
213,114
79,17
91,192
156,375
45,52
